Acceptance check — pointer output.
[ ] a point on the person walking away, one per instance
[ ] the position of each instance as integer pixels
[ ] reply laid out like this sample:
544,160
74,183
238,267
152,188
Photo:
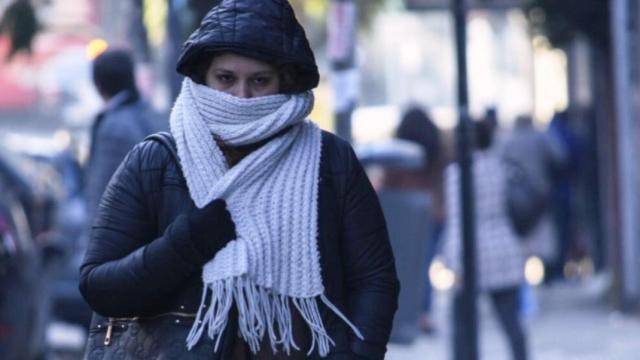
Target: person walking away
564,177
247,232
536,153
416,126
125,120
499,256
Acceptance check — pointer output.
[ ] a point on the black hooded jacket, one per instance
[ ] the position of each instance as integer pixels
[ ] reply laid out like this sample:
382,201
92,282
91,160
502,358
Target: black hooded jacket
263,30
140,261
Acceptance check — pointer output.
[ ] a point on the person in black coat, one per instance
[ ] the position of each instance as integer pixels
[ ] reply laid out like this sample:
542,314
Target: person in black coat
262,237
125,120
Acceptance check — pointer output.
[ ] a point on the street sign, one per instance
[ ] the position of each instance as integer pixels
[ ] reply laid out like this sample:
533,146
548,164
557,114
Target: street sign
341,29
472,4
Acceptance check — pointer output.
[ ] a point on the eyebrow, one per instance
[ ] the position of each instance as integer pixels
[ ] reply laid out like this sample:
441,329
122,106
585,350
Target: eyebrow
262,72
266,72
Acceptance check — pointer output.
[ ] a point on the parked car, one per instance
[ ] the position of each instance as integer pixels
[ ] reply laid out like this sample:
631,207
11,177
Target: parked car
24,264
46,181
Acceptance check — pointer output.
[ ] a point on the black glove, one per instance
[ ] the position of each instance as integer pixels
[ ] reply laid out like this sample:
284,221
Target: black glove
211,228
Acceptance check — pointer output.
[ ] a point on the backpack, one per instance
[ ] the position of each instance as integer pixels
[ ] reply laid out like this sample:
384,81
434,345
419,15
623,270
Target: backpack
526,202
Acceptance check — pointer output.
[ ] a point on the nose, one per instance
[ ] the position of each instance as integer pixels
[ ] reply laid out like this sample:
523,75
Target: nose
243,91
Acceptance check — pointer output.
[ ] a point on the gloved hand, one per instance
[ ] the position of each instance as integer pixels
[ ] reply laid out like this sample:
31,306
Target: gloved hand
211,228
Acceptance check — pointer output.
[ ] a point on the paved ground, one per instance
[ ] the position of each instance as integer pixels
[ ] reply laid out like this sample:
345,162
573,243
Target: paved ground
572,322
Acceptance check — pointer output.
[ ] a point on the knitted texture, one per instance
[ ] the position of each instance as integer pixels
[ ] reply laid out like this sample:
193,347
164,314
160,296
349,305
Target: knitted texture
273,265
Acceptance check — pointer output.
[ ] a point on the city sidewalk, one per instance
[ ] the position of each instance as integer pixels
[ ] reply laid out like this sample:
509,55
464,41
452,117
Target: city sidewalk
571,322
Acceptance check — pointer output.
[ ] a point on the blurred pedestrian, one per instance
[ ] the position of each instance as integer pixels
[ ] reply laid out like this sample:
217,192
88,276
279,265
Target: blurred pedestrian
500,260
20,23
564,176
416,126
491,118
262,238
125,121
536,153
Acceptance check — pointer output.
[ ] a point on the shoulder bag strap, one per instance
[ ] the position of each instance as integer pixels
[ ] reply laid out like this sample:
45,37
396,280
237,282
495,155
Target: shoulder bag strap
166,140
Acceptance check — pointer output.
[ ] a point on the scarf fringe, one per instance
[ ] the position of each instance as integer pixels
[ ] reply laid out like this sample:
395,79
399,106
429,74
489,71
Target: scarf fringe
261,312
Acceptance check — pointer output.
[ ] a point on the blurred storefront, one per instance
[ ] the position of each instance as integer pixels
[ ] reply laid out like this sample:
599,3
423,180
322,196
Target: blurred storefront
421,68
603,76
49,90
519,70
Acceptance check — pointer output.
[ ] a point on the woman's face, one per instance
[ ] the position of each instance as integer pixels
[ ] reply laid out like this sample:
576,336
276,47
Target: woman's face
241,76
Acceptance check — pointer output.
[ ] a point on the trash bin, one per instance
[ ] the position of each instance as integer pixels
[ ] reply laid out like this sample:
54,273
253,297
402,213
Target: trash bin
407,216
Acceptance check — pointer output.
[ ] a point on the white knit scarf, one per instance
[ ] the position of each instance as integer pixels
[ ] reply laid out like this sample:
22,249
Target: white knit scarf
272,195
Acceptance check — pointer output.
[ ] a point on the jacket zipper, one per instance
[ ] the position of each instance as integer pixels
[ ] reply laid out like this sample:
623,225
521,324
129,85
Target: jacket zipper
108,335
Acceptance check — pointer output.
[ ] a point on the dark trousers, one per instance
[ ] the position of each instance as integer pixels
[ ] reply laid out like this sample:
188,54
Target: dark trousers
563,218
506,305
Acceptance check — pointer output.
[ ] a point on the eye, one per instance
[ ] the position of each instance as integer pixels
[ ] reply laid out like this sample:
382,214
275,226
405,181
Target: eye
225,78
261,80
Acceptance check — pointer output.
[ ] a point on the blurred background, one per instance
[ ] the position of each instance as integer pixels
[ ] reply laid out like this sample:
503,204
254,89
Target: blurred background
566,70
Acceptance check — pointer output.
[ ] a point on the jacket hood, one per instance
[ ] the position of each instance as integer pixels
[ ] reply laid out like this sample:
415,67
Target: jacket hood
266,30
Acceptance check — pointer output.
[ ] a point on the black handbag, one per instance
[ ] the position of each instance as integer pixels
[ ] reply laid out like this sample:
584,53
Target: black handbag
159,337
526,202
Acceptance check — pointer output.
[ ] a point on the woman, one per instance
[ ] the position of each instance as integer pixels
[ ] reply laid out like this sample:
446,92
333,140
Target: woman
500,260
266,239
416,126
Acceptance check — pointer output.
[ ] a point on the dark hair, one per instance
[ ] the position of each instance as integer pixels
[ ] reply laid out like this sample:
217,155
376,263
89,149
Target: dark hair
286,73
113,72
483,133
491,117
418,127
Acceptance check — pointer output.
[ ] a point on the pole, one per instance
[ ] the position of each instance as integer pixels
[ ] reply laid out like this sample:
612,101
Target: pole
627,171
465,348
342,27
175,38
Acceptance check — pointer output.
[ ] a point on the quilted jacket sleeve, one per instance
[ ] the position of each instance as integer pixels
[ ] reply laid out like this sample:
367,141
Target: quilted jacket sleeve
372,283
128,269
